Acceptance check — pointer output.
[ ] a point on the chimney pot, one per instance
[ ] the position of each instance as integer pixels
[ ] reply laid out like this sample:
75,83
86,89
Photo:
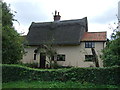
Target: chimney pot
57,17
55,12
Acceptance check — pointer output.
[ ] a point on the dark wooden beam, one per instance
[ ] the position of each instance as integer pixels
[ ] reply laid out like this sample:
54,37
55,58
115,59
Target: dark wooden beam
95,57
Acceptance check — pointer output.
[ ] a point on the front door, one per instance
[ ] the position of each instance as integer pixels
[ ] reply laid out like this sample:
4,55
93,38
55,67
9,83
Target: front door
42,60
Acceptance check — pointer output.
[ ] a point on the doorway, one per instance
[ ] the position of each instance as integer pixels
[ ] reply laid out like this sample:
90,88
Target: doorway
42,60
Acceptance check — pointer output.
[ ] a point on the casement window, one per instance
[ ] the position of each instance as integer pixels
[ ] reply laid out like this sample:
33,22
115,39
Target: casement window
35,56
89,44
60,57
89,57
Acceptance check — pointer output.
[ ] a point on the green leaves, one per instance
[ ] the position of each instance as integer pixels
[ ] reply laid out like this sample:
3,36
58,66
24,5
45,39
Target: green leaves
7,16
111,54
12,48
108,75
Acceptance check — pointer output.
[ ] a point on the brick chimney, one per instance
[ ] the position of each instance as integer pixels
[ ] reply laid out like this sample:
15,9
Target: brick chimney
57,16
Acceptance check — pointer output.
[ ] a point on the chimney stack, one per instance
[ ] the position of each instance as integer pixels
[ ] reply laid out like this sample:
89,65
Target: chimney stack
57,16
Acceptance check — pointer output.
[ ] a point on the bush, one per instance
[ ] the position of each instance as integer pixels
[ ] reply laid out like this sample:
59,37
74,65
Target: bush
109,75
31,65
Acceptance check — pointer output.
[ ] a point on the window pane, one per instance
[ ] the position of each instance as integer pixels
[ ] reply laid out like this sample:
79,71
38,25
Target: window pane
89,44
93,44
86,44
60,57
89,58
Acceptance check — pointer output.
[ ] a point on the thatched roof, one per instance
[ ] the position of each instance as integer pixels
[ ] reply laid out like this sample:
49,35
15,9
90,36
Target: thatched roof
61,32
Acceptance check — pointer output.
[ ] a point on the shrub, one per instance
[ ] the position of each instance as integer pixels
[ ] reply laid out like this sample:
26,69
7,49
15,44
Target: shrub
109,75
31,65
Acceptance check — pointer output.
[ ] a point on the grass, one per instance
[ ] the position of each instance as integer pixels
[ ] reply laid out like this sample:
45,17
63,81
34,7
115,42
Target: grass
53,84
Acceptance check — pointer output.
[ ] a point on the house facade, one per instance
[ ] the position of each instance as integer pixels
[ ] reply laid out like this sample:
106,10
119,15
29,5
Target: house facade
71,39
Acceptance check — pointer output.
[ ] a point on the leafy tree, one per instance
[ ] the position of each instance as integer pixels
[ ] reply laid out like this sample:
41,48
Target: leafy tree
0,32
111,54
49,51
12,48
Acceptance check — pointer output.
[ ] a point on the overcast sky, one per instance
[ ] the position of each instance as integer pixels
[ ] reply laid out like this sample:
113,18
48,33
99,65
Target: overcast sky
100,13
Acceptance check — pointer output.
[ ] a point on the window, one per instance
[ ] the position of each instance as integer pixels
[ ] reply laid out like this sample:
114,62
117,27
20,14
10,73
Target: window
89,44
61,57
89,57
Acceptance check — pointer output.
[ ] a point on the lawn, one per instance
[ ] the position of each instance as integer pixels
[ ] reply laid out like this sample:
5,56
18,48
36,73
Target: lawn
53,84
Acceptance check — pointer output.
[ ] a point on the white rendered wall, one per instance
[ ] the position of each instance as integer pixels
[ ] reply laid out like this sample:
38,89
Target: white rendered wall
74,55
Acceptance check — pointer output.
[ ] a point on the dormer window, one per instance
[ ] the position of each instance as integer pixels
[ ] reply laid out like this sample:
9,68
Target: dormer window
89,44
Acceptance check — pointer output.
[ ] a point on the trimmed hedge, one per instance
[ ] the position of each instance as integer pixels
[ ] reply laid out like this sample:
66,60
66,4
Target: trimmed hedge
107,75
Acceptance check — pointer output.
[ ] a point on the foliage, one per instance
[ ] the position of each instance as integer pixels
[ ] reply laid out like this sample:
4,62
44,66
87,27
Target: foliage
12,47
90,75
7,16
35,65
0,32
50,51
31,65
54,84
11,41
111,54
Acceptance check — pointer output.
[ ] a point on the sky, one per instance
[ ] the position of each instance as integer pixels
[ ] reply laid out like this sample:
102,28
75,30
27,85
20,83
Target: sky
101,14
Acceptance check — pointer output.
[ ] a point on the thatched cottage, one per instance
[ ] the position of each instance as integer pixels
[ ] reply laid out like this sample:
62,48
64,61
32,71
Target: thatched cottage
71,40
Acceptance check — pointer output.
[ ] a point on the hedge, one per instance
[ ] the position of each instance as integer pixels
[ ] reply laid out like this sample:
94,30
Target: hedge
109,75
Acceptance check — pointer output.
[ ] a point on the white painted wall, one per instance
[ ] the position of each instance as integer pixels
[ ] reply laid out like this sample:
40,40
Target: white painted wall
75,55
29,56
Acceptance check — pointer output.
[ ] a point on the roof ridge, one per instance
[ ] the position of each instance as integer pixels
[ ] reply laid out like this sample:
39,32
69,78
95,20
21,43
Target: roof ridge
73,19
97,32
59,21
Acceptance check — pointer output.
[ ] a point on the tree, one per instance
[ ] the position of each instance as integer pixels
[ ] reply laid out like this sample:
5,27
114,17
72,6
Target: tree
111,54
12,48
0,32
50,51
